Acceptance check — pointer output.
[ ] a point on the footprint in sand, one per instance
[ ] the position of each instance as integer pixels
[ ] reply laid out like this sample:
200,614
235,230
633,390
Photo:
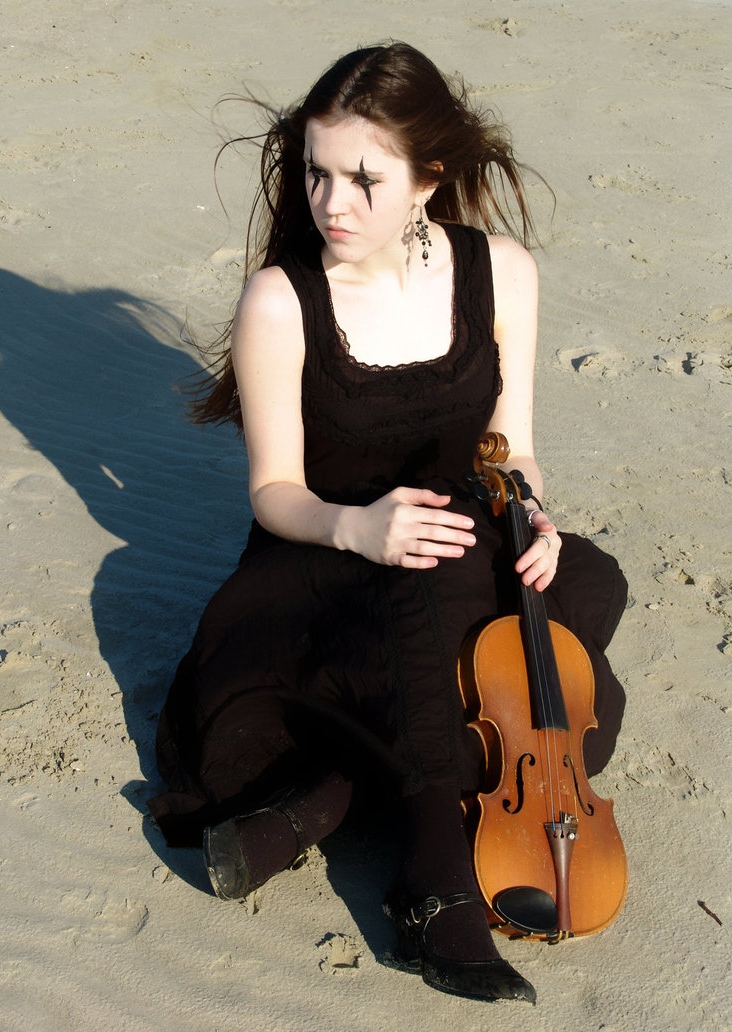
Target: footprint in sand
647,766
504,26
107,922
227,256
637,181
680,360
28,670
26,801
591,361
118,922
339,953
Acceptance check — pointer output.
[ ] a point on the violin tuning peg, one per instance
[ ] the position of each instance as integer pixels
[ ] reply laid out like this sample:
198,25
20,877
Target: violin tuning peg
524,488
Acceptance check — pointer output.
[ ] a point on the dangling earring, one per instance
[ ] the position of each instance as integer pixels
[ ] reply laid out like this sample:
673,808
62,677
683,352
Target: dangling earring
421,231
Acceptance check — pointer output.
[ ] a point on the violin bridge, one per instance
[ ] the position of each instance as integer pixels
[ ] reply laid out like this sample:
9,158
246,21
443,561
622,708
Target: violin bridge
566,826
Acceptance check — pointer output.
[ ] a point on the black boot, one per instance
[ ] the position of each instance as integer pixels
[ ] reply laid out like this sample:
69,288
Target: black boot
243,853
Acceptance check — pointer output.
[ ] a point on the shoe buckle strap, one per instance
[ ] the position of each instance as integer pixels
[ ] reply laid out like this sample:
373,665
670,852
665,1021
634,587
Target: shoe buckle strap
432,905
425,910
301,856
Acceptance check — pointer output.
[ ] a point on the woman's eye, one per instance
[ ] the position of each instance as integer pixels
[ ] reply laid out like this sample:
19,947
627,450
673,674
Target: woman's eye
317,174
365,182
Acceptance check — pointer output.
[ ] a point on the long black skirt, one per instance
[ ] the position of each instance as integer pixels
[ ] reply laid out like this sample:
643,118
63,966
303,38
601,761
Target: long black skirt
311,659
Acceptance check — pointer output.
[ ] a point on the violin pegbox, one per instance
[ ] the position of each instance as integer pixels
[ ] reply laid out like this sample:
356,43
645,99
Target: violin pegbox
491,484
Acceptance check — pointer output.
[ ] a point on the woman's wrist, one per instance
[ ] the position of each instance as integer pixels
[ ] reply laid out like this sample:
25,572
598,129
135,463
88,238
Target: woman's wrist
344,532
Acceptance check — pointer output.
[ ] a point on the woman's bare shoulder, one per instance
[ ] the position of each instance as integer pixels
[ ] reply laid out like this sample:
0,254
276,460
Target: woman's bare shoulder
269,293
515,290
268,319
510,260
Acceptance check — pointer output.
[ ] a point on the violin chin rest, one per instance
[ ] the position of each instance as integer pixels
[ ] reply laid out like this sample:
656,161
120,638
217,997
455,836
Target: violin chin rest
526,909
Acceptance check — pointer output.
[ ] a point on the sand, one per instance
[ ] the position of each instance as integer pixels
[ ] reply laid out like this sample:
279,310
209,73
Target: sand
119,519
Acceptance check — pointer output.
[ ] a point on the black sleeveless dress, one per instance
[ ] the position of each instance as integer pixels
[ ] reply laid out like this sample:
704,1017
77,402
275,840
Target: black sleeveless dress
309,658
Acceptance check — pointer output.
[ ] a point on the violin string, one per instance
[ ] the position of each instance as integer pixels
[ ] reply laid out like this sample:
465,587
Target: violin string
547,712
548,715
531,615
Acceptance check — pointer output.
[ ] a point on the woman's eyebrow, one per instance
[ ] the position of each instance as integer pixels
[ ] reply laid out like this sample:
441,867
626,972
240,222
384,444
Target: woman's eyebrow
360,171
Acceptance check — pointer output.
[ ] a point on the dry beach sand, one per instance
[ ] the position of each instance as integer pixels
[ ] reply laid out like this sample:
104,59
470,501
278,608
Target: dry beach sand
119,519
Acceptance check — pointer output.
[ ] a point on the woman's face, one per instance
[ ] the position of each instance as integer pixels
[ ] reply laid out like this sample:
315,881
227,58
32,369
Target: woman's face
360,189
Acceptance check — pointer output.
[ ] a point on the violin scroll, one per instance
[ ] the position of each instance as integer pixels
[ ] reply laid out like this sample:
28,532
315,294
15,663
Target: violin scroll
496,486
491,448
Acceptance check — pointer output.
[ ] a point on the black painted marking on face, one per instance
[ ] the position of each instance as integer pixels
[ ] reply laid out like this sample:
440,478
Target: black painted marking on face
365,183
315,173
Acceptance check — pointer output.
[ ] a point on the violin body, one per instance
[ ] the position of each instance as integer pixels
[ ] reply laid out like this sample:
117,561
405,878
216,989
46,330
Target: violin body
549,859
518,840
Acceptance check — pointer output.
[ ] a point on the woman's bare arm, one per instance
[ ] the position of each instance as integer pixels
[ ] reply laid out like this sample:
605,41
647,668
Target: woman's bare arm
516,292
408,527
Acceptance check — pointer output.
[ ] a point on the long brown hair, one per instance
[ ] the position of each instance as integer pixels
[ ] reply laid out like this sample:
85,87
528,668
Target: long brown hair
400,90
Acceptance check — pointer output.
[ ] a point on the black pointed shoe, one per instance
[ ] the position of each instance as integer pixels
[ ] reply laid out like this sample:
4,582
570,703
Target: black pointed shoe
487,980
226,863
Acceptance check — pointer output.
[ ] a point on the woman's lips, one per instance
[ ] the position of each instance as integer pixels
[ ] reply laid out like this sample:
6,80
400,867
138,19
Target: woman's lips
337,232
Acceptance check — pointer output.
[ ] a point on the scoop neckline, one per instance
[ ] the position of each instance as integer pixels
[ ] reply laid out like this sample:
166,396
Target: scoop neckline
345,347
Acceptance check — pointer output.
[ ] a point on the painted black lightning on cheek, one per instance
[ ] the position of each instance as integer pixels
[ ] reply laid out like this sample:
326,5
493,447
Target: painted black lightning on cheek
316,177
365,184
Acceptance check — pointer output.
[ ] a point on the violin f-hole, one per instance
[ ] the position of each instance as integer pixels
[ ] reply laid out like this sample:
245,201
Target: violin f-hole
531,760
587,808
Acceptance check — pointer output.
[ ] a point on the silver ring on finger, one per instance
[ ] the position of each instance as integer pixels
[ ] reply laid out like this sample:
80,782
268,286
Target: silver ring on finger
543,537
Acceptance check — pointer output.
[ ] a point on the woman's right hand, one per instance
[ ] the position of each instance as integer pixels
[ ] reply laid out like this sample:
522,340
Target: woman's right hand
408,527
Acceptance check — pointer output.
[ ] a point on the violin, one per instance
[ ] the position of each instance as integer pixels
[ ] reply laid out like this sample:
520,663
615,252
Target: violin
549,859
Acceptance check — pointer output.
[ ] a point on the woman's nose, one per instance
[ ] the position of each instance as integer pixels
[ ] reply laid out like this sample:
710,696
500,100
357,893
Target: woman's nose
335,200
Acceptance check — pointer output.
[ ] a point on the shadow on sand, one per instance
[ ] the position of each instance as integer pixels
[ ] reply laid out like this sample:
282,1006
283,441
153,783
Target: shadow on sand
91,379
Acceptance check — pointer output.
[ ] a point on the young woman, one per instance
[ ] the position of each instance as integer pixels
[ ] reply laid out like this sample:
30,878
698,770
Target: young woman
386,326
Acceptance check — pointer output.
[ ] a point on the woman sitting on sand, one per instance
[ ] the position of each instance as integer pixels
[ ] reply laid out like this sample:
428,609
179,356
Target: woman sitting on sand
386,327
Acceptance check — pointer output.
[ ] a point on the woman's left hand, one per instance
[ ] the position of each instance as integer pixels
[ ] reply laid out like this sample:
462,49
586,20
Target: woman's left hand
538,564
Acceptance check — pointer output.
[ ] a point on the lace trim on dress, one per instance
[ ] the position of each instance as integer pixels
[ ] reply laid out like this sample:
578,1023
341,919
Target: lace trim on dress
347,401
472,321
375,368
